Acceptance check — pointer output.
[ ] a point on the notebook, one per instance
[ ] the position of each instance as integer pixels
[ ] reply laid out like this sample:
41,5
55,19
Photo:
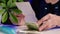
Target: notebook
27,10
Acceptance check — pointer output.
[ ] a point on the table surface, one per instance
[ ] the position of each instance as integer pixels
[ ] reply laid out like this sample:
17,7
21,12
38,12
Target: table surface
53,31
1,33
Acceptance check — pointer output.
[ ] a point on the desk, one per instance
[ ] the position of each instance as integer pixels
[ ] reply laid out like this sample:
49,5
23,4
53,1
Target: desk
53,31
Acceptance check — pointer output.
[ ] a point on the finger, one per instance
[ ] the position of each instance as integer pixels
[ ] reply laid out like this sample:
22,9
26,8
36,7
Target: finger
45,18
43,27
50,24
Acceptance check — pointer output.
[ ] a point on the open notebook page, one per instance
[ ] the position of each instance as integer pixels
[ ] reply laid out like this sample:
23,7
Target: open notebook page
27,11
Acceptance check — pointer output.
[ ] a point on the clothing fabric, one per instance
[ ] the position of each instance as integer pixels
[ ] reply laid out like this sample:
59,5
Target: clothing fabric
41,8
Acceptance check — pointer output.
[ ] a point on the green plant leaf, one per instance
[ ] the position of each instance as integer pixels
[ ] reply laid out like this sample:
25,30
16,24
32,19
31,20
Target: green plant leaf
20,0
2,11
9,3
13,4
32,26
13,18
3,4
14,0
4,17
2,1
17,11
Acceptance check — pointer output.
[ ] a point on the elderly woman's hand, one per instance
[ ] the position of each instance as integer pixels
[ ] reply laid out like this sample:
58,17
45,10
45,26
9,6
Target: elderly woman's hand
49,21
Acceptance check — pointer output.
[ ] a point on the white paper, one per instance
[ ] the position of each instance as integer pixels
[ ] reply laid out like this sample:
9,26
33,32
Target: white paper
27,11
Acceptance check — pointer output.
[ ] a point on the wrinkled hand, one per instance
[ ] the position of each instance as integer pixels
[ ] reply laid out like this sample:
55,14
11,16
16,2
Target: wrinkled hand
49,21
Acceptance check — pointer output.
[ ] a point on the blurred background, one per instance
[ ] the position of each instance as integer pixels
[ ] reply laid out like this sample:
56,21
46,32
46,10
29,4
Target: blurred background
26,0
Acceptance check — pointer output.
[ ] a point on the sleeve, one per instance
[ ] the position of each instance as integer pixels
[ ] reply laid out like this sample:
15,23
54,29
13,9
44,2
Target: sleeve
39,8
